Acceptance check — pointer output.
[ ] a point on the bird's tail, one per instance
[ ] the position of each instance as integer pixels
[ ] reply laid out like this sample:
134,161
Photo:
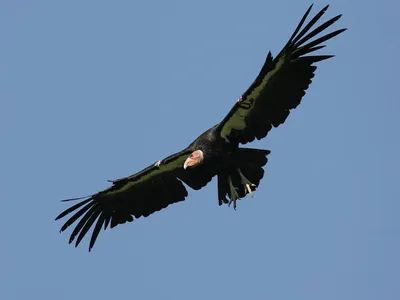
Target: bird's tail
243,176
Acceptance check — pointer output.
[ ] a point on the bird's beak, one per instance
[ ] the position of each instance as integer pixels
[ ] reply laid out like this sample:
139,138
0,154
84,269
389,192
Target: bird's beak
194,159
190,162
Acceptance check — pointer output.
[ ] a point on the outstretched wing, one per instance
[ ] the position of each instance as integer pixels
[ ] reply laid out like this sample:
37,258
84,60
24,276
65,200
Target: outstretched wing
141,194
279,87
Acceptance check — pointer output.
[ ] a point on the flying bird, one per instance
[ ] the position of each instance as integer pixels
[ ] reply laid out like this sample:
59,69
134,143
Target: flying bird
279,88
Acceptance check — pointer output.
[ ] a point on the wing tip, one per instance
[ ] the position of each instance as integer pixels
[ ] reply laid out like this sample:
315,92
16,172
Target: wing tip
325,8
75,199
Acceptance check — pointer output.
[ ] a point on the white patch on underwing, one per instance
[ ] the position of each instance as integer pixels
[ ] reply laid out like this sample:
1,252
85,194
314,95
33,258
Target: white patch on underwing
245,105
161,168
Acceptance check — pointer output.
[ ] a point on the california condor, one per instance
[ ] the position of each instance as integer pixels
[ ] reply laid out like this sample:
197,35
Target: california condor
278,88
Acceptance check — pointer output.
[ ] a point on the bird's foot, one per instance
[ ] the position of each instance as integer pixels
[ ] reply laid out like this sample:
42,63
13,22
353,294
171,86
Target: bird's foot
246,183
233,193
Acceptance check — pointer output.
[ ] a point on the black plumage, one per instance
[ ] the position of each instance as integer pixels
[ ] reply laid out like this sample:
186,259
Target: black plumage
278,88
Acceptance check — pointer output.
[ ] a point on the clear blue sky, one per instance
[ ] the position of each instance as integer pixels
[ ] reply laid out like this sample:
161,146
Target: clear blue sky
96,90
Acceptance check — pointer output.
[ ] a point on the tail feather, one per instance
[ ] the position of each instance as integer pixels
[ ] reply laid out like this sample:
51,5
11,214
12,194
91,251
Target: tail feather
251,163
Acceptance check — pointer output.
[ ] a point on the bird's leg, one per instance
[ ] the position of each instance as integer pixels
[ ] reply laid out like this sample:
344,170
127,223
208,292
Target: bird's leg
233,194
246,183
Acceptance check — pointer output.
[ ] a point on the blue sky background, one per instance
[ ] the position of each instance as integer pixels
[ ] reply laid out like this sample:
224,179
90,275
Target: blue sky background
96,90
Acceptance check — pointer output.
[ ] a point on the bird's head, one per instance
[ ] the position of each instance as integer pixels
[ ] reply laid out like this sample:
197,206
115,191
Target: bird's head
194,159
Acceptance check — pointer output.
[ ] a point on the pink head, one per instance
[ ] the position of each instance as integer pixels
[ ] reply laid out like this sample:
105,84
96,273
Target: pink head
194,159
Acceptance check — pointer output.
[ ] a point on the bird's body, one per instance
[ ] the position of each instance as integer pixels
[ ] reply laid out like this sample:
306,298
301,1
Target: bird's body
278,88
